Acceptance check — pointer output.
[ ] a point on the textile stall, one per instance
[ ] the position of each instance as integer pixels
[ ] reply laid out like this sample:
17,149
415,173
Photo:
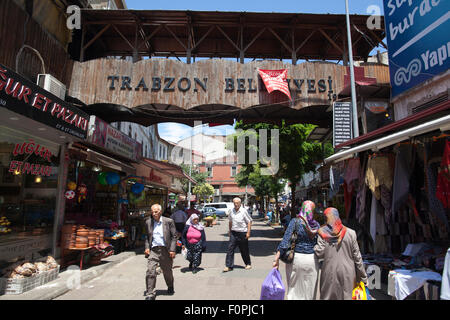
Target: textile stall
397,200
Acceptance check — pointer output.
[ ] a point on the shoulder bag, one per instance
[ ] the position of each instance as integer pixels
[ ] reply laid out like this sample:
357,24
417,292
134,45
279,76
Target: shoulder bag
287,256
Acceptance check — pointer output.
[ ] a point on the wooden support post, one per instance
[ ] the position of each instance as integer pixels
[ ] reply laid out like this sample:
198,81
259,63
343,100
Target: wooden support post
294,53
83,35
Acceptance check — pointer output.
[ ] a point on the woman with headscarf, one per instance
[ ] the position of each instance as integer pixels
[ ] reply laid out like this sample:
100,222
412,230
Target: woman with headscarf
302,273
342,266
194,240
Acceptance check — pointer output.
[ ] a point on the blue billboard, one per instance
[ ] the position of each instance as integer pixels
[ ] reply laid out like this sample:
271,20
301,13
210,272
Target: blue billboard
418,39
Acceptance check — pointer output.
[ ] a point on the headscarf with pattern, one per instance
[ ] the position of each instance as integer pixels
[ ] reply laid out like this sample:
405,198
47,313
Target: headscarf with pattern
334,231
197,225
307,212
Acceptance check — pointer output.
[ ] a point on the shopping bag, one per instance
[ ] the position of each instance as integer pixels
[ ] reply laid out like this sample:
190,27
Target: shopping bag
272,287
184,253
360,292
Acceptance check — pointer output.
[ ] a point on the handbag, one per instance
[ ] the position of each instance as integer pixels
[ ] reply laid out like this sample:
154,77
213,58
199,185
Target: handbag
287,256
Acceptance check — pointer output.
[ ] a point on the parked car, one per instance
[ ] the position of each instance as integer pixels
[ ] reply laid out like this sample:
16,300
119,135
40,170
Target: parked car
225,206
210,211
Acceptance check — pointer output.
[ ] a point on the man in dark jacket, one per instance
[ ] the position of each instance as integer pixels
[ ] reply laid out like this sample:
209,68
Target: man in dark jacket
160,247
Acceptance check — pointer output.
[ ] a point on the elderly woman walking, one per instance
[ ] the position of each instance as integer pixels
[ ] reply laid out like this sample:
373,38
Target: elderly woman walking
342,266
302,273
194,240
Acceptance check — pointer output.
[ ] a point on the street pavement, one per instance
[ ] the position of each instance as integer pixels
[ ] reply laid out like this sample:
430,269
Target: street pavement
126,280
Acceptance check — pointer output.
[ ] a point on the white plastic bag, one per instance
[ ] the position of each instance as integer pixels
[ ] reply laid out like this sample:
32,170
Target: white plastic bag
184,253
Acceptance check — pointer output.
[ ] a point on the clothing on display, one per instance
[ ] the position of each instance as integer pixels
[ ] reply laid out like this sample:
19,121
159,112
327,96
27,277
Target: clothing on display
378,173
443,180
361,195
352,170
402,176
435,205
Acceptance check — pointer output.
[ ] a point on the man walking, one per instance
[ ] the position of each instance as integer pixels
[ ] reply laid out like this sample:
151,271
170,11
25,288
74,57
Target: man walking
240,226
160,248
179,216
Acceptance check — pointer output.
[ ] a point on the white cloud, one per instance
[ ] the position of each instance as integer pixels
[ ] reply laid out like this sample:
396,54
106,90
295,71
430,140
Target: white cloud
174,132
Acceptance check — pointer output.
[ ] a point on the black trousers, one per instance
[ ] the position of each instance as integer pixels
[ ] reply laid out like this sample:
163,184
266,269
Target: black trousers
237,239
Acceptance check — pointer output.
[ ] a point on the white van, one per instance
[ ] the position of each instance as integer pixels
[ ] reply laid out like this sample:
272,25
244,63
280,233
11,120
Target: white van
225,206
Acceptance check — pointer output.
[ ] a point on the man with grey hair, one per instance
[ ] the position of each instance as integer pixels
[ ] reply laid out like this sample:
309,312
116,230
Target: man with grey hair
240,223
160,247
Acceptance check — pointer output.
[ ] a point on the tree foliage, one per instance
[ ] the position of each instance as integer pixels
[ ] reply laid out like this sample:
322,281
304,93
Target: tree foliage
203,190
198,176
297,156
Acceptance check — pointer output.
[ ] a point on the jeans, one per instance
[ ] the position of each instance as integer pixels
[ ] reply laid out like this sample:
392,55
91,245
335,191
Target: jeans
237,239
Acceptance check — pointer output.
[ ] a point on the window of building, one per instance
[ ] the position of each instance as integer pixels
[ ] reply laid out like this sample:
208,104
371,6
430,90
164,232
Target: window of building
210,171
233,171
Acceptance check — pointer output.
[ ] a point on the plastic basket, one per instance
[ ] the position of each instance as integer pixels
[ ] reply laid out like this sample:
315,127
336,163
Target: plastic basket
19,286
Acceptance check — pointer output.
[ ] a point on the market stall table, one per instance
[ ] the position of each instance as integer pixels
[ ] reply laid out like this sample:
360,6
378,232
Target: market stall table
402,282
82,254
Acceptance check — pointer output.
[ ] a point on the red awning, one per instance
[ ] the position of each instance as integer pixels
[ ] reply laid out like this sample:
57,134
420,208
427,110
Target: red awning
168,168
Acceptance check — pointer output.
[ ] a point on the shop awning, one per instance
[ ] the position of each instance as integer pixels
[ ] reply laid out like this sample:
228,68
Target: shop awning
168,168
442,123
108,162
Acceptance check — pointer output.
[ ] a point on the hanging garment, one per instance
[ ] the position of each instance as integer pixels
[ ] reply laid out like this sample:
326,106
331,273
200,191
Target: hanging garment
348,196
386,201
435,205
443,180
378,173
402,177
352,172
361,195
373,218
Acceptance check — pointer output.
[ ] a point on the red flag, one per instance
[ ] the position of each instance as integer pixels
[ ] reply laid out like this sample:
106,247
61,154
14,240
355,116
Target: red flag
275,80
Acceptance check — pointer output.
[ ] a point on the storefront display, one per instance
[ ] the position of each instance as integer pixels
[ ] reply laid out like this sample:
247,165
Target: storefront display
28,190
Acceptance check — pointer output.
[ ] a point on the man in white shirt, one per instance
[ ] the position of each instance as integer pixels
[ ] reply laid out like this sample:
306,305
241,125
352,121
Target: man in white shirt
240,226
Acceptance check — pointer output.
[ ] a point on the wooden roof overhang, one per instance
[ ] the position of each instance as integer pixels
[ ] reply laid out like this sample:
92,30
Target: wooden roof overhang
239,35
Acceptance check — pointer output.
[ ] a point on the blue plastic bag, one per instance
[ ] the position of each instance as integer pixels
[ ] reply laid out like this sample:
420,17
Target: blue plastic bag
272,287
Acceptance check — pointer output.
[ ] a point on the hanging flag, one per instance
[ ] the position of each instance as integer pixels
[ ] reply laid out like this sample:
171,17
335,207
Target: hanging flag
275,80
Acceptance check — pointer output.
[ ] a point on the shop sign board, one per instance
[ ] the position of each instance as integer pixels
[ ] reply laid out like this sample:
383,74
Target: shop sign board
106,136
30,100
165,82
342,122
25,247
418,42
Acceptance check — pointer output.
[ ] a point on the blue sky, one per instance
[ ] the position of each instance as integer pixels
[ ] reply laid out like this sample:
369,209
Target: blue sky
175,131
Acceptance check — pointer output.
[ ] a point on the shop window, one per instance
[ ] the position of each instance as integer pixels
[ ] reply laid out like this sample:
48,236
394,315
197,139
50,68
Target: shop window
210,172
28,185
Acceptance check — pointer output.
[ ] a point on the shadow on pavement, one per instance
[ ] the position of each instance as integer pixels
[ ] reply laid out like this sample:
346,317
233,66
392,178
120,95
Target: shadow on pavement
257,247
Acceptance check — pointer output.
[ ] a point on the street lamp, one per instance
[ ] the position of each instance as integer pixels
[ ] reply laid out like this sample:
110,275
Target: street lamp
352,75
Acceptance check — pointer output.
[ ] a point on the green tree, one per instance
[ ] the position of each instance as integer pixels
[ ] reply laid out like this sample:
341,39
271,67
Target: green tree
199,177
203,190
297,156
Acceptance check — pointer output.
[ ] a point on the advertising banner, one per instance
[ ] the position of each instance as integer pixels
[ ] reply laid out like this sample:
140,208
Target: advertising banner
106,136
275,80
418,41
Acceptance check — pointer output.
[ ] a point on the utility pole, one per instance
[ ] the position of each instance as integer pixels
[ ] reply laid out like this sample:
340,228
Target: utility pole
352,75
